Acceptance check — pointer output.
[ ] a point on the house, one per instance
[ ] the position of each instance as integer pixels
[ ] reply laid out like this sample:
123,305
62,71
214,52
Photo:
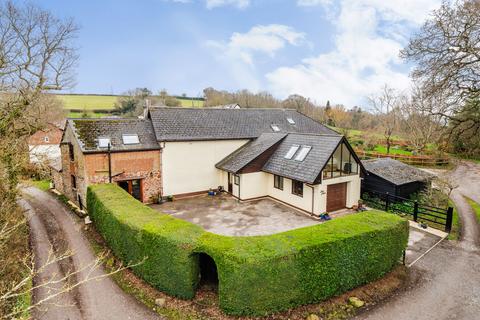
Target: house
392,176
44,145
124,151
250,153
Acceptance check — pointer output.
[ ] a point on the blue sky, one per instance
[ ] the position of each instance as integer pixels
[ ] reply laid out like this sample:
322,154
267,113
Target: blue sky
340,51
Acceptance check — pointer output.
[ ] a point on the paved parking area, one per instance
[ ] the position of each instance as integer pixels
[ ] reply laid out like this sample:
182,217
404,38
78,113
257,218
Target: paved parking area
226,215
420,241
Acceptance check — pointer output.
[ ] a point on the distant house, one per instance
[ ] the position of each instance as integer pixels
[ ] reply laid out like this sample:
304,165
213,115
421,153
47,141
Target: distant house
392,176
44,145
249,153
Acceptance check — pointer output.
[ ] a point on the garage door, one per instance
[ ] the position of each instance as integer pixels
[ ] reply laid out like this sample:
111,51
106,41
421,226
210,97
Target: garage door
336,196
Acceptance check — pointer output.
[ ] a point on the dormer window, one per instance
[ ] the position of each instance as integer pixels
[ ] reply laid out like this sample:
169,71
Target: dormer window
302,154
275,127
291,152
103,142
290,120
130,139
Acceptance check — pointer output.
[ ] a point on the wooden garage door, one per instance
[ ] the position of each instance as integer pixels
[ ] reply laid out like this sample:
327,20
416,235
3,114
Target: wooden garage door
336,196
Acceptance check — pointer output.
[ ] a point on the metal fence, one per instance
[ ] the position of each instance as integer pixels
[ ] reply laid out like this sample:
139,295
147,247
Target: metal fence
438,218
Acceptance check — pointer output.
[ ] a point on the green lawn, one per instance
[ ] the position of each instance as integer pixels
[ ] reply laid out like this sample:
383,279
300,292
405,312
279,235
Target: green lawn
41,184
106,102
476,208
383,149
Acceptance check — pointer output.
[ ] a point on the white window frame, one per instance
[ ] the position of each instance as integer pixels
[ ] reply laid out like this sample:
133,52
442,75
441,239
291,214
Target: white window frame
46,139
133,135
291,152
104,139
275,127
291,121
303,153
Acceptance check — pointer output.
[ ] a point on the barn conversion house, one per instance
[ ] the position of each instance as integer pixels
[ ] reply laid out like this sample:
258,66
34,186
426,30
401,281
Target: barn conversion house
249,153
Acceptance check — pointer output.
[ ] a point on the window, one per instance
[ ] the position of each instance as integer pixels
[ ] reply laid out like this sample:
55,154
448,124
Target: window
290,120
278,182
275,127
74,181
103,142
71,152
130,139
297,188
46,139
302,154
292,151
236,179
134,187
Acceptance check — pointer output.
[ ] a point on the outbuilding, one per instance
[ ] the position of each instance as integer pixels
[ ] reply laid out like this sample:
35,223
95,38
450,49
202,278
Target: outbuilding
392,176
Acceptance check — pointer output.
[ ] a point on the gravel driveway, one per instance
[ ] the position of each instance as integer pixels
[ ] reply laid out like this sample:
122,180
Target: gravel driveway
52,227
445,283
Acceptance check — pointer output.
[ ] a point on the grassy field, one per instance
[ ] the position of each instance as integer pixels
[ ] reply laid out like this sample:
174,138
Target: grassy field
106,102
383,149
90,114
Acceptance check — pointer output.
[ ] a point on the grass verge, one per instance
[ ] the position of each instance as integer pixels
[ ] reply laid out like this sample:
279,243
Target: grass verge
456,223
475,206
43,185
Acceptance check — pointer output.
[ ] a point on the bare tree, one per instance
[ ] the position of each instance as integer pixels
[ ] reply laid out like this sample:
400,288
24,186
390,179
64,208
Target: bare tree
446,52
418,124
386,106
36,55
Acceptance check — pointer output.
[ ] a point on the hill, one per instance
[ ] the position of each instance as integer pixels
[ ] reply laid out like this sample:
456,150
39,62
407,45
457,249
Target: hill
91,102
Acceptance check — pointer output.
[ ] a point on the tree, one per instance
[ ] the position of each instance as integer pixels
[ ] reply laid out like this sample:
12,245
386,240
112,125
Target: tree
446,52
419,125
386,106
131,103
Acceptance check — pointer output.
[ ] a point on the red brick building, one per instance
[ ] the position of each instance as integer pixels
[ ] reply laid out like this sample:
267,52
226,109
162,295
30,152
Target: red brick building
44,145
123,151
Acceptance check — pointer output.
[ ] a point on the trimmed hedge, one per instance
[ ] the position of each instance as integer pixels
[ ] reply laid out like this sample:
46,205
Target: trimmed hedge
257,275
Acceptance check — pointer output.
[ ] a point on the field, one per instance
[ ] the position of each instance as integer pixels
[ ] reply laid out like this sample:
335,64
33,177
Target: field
106,102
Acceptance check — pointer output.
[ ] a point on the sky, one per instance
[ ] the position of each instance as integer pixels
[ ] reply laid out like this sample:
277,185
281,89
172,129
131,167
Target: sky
342,51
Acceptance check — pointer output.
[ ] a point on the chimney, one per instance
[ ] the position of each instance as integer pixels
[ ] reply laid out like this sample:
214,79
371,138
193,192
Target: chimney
146,106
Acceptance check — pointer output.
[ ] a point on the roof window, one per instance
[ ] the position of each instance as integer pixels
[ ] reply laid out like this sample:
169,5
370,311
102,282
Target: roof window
302,154
290,120
103,142
275,127
292,151
130,139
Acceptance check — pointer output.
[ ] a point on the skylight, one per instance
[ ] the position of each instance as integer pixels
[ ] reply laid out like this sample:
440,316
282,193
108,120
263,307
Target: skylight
103,142
292,151
275,127
130,139
302,154
290,120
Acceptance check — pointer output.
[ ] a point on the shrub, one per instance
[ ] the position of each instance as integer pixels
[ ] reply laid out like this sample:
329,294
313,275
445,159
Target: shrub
134,232
257,275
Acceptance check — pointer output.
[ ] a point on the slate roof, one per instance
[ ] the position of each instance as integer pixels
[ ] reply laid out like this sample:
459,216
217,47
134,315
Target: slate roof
395,171
248,152
323,145
188,124
87,132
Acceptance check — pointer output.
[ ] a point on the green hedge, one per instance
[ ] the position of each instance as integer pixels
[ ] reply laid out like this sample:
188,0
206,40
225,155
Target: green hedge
257,275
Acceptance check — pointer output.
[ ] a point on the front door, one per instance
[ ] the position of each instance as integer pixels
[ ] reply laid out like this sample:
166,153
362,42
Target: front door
134,187
230,184
336,196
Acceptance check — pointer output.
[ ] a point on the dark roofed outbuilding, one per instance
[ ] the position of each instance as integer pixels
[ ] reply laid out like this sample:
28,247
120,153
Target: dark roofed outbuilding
392,176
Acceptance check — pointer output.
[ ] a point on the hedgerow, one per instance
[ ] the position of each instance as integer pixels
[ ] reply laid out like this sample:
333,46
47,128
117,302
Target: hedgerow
257,275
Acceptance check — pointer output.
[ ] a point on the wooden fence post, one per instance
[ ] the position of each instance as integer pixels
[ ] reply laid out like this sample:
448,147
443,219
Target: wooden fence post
415,211
448,223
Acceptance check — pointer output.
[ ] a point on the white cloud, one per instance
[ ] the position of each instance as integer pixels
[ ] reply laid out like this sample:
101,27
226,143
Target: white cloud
239,53
220,3
311,3
369,35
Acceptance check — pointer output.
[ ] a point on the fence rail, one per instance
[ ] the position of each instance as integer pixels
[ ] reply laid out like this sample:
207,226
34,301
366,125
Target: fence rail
413,160
439,218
